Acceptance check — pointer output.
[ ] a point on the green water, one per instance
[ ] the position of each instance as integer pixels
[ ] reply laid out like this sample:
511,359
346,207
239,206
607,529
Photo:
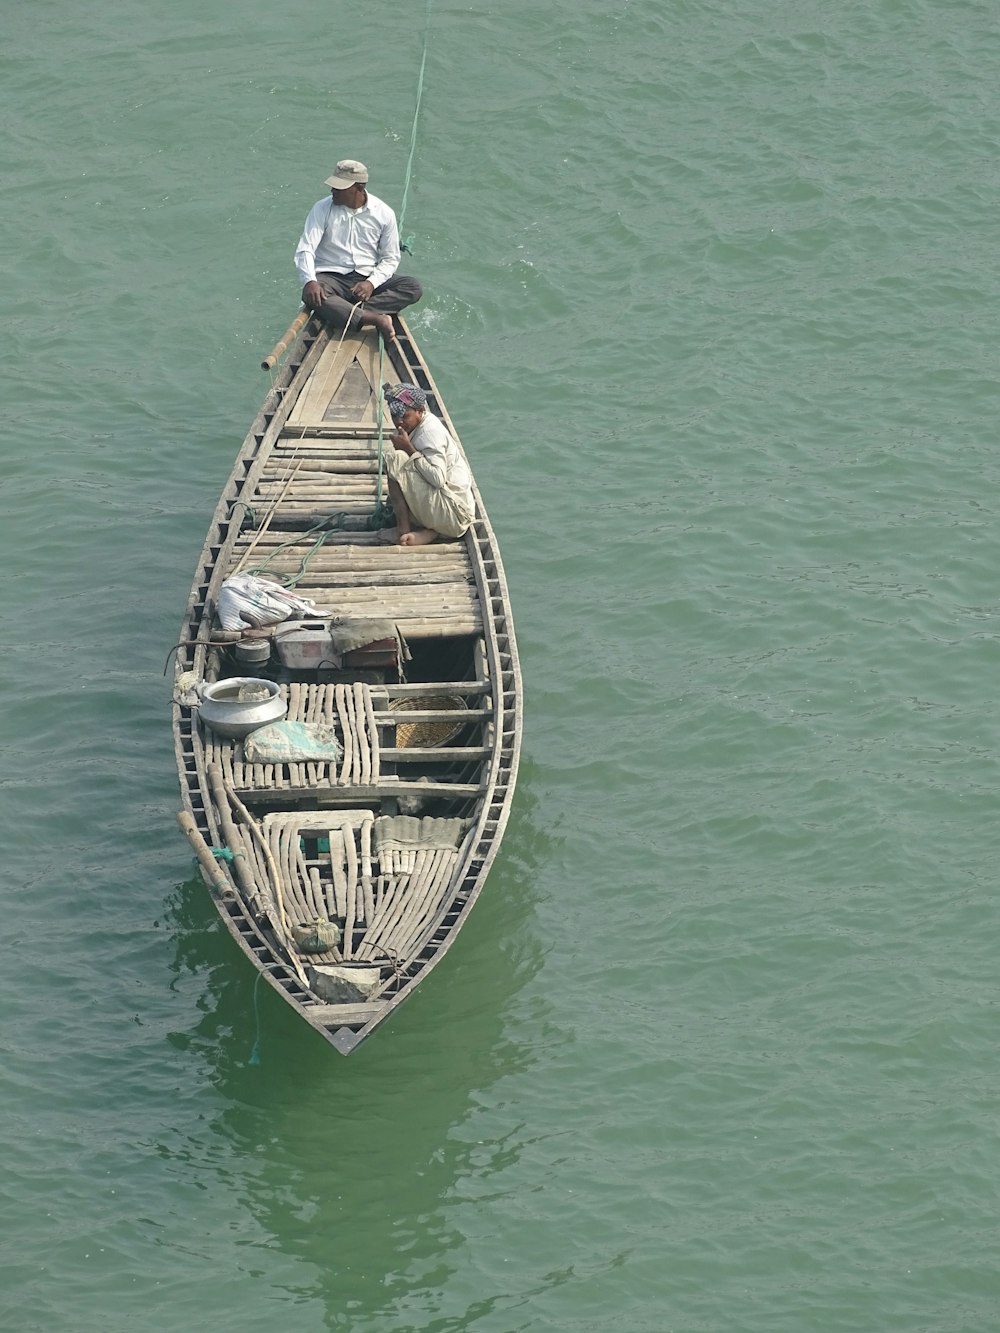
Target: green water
712,296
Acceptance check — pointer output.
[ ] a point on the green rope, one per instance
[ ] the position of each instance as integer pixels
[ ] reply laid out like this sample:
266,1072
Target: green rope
382,515
220,854
407,244
255,1049
251,513
324,529
379,413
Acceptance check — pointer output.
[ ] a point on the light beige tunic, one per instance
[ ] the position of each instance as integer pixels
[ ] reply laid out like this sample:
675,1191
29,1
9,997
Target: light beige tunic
435,481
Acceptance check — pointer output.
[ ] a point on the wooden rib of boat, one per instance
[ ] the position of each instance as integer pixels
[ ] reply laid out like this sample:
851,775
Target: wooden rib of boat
392,840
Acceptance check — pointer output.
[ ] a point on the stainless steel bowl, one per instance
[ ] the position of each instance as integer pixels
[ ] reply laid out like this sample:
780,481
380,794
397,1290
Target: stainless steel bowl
228,714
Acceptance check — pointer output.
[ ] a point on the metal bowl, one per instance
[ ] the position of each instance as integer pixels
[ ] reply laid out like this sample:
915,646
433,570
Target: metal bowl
228,714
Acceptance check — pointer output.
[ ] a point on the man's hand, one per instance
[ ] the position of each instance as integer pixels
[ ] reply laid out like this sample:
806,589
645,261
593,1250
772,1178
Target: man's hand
363,289
401,440
312,295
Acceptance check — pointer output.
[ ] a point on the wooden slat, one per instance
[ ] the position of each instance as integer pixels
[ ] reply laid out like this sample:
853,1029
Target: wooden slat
365,541
331,470
368,360
460,687
437,754
394,717
379,561
325,380
389,599
376,792
443,579
352,1015
303,491
329,440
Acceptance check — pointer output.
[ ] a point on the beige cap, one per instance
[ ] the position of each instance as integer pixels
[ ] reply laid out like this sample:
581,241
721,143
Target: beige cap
348,173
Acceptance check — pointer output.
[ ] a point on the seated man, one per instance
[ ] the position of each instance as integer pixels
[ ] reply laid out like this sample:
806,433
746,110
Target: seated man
430,486
349,252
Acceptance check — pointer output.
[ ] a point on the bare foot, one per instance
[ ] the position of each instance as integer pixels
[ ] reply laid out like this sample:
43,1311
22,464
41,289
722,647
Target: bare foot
383,324
422,537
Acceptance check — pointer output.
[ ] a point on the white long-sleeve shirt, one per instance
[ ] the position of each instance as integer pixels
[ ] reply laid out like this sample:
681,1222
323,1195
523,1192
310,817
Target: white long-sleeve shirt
438,458
338,239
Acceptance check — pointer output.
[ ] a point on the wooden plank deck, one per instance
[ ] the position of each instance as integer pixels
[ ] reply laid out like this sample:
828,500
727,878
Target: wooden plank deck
428,591
361,717
303,481
330,866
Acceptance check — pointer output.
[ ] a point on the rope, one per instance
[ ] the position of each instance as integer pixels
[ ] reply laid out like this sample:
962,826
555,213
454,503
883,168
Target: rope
324,528
220,853
382,515
255,1049
251,513
407,244
328,525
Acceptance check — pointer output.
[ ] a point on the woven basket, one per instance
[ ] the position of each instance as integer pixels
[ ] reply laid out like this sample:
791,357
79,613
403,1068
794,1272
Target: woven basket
425,735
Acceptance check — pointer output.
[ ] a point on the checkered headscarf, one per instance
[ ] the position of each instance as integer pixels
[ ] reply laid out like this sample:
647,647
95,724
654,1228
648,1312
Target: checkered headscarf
401,397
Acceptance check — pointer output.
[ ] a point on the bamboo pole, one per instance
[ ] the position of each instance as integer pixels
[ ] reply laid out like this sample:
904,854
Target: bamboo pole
351,852
331,471
438,582
290,334
349,769
351,906
366,871
203,852
279,896
338,857
235,844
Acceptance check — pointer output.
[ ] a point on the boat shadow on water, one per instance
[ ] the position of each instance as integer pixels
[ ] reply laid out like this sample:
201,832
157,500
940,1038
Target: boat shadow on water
355,1169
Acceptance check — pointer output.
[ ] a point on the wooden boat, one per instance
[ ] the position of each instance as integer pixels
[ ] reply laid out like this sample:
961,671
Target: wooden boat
392,841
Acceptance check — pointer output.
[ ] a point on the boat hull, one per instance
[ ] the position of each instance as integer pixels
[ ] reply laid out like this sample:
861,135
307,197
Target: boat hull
390,841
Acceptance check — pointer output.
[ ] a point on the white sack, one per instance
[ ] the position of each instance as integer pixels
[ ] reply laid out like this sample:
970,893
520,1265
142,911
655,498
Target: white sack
246,600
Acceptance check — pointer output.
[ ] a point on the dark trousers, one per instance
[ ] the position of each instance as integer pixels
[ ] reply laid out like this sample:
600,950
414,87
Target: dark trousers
388,299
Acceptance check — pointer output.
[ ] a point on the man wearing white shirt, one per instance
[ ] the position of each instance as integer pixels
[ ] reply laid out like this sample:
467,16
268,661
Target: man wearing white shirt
348,256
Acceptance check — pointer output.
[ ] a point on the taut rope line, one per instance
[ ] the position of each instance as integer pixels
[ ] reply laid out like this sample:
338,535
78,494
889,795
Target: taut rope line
381,509
413,132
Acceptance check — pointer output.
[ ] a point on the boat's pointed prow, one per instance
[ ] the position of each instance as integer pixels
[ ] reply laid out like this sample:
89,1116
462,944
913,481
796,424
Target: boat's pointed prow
344,1040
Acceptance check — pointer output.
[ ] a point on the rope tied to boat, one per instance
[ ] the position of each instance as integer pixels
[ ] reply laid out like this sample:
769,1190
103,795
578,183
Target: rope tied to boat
407,243
254,1057
382,515
324,528
249,510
